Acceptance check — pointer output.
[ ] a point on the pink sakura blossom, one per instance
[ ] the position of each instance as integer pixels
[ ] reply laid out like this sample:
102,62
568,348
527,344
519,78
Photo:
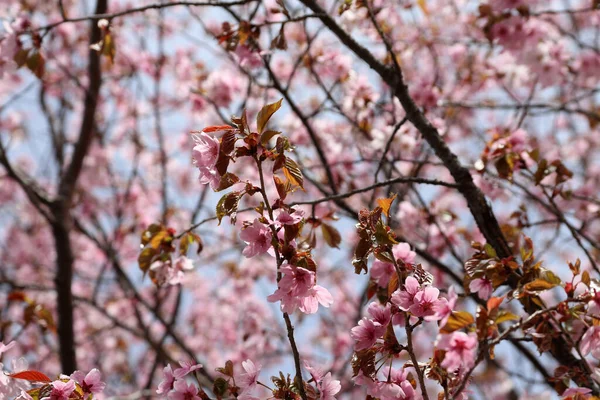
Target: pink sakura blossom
315,372
404,298
61,390
186,368
593,304
382,315
315,296
285,218
297,289
424,304
366,333
249,378
257,237
590,342
168,380
444,308
205,154
460,350
381,271
328,387
482,286
90,383
183,391
180,265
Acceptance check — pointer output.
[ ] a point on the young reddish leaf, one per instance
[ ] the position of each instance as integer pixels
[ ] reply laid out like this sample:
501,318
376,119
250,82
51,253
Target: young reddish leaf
17,296
493,303
292,173
386,204
265,114
36,63
457,320
227,181
268,135
31,376
585,278
282,187
538,285
393,285
217,128
331,235
228,205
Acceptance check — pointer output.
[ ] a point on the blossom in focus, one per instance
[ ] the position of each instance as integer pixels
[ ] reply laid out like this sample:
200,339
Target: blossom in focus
61,390
90,383
481,286
205,154
366,333
258,239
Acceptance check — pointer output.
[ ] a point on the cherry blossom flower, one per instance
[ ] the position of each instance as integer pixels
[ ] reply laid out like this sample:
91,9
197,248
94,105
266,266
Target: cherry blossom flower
168,380
315,296
443,309
205,154
366,333
186,368
328,387
183,391
460,350
285,218
403,298
481,286
381,314
90,383
590,342
425,303
257,237
249,378
61,390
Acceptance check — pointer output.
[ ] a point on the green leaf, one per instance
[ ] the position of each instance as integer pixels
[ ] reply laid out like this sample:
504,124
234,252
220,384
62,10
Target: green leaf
265,115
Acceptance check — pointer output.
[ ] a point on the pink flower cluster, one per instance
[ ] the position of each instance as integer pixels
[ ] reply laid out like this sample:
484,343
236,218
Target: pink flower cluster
174,386
421,302
395,386
298,289
369,330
